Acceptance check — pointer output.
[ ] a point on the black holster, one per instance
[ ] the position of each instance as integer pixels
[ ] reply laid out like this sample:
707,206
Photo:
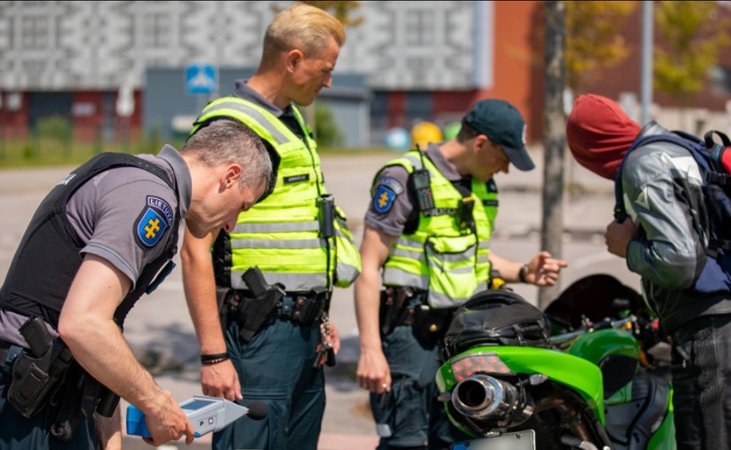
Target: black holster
251,312
395,309
47,374
308,308
39,371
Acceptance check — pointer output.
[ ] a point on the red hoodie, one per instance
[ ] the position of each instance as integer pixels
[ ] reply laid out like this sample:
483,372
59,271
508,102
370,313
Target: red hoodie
599,134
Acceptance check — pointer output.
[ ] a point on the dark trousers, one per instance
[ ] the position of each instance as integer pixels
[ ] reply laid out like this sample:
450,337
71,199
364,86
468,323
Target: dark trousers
19,433
702,383
276,367
409,416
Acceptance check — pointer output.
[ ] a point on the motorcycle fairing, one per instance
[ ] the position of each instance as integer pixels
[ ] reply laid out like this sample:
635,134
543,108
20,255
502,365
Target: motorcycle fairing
615,352
640,416
578,374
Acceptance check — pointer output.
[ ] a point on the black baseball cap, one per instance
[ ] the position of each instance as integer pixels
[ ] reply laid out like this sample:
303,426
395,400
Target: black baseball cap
503,124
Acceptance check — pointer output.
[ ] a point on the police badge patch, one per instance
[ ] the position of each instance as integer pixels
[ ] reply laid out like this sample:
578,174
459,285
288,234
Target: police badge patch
392,184
154,219
383,199
388,189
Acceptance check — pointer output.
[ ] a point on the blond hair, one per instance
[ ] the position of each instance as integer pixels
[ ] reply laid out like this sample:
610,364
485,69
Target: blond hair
303,27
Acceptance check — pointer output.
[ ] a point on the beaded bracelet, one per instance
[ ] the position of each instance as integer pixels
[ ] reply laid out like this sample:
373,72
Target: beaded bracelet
209,360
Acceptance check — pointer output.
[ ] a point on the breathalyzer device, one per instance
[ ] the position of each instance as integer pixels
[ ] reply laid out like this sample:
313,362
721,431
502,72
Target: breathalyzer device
207,414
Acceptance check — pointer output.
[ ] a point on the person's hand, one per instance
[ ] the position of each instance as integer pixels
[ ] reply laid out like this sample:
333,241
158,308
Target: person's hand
618,235
167,422
334,338
543,269
373,372
221,380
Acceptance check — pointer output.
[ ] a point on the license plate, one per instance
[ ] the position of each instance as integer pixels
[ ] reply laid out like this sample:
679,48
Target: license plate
521,440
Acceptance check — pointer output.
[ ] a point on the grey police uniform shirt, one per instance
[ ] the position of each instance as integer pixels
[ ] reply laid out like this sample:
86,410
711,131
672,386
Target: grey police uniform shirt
107,213
392,216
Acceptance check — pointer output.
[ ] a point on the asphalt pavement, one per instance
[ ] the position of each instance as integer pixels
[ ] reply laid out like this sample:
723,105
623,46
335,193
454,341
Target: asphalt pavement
160,332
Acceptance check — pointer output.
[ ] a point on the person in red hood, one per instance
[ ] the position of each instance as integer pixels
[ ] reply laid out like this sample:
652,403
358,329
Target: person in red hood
689,291
599,134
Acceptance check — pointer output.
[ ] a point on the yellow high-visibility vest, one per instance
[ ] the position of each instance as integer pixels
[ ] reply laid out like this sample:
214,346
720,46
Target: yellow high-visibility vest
444,257
281,234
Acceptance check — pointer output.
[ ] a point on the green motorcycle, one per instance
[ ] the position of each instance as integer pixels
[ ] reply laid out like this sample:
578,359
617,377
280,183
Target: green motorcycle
591,372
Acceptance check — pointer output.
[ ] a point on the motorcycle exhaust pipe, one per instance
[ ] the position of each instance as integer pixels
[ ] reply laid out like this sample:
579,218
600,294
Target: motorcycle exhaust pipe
482,397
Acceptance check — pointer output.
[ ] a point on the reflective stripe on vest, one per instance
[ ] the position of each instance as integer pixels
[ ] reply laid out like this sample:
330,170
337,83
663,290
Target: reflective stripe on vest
347,261
226,105
450,263
280,235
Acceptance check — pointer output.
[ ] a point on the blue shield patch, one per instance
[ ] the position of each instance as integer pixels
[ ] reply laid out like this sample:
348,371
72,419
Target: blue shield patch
383,199
151,227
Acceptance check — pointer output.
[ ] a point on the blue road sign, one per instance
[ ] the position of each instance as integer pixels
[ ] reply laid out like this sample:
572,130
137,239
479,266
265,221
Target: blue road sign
201,79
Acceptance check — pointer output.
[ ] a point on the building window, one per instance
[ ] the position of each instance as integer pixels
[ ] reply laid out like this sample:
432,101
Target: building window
419,27
34,32
720,80
156,30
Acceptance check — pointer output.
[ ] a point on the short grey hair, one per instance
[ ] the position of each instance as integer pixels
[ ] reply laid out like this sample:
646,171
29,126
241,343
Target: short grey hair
231,142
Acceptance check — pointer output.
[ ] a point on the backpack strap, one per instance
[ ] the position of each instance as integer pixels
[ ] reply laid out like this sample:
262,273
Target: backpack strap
685,140
709,160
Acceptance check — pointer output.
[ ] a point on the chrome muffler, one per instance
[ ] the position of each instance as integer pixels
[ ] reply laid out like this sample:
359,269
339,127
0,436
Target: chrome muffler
482,397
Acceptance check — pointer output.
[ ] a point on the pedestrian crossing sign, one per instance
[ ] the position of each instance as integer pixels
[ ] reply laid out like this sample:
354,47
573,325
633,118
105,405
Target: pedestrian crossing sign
201,79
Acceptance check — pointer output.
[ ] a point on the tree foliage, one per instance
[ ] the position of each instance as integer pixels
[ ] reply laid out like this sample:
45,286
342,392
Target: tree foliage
328,133
690,39
341,10
593,41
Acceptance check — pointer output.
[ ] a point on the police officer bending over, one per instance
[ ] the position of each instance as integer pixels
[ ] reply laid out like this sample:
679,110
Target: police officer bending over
100,239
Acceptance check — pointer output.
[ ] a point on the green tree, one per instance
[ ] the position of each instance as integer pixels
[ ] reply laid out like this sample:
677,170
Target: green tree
691,36
593,41
328,134
341,10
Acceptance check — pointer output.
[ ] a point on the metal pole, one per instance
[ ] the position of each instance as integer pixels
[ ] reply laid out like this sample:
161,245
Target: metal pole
646,75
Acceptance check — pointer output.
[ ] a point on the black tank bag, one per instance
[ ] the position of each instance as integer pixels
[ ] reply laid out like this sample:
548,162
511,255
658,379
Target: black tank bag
496,317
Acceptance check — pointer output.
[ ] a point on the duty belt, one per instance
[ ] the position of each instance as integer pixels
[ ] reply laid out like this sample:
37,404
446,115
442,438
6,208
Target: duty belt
299,307
406,306
304,309
8,353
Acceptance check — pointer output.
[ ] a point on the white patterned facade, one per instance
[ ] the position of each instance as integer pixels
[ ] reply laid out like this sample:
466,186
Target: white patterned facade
84,45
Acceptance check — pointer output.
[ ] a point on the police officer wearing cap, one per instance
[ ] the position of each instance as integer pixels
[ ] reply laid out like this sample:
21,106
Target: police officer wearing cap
427,242
100,239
